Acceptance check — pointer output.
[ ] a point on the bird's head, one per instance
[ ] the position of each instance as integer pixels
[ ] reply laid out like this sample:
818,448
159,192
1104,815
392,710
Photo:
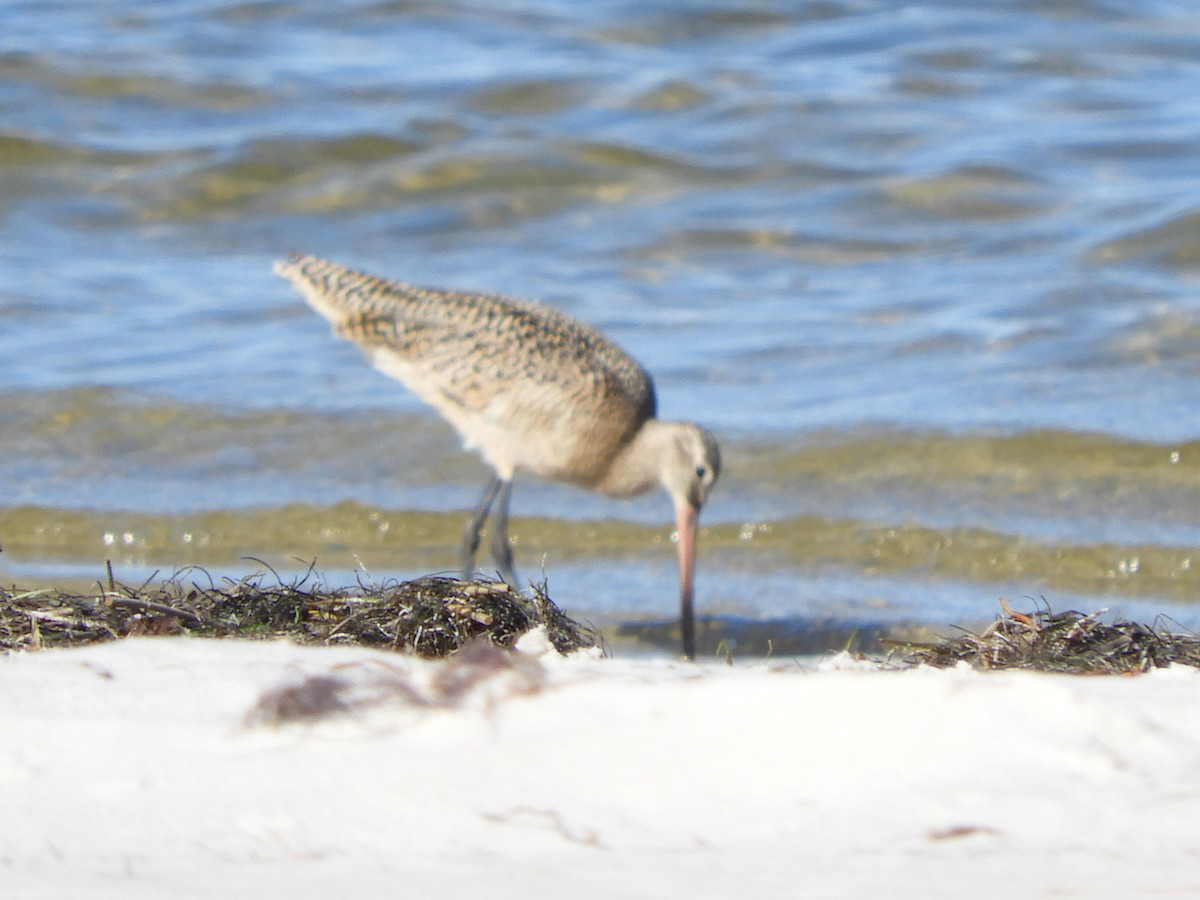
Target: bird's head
691,466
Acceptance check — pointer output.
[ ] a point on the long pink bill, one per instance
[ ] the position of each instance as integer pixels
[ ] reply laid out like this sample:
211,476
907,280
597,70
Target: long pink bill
685,523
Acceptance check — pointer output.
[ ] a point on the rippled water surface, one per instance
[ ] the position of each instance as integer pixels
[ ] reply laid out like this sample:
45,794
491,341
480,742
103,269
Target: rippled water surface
929,270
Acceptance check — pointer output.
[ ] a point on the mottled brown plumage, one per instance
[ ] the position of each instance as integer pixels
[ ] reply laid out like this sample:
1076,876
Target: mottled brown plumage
529,388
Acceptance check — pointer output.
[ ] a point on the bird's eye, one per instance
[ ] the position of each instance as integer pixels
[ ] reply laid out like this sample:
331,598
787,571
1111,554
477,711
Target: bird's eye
701,472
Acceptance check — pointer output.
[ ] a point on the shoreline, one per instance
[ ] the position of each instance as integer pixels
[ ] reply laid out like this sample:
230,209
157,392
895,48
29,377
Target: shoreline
142,769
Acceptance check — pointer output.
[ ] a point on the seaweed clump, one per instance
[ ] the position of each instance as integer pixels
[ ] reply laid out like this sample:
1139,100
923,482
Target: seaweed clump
1065,642
433,616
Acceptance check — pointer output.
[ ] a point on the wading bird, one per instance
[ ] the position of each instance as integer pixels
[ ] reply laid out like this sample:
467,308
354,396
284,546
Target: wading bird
528,388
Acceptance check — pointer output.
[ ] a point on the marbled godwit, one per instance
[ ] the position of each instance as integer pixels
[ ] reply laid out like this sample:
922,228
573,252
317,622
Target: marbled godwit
528,388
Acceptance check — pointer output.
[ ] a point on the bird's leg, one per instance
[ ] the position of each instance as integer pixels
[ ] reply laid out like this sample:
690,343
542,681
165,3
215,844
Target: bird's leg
501,547
475,524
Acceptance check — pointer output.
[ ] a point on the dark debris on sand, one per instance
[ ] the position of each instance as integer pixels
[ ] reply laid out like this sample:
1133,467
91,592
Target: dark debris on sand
1065,642
432,616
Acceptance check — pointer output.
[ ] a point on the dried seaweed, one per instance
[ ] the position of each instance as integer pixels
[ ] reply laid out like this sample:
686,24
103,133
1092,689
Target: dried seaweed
432,616
358,687
1066,642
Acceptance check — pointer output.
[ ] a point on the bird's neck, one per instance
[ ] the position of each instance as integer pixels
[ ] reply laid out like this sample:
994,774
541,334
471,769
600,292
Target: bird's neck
638,467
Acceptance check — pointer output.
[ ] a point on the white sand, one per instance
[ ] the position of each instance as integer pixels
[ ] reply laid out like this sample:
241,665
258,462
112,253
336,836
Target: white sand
131,770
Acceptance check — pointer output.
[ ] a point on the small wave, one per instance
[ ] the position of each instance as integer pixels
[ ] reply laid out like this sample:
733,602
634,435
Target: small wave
986,193
271,174
686,25
1174,244
525,98
812,248
159,90
1050,485
1163,336
21,151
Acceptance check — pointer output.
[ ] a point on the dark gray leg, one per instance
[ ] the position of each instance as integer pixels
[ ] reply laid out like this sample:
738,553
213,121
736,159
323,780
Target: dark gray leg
475,524
501,547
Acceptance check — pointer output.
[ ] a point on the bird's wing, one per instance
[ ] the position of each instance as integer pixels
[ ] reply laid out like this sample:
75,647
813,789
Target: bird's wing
503,359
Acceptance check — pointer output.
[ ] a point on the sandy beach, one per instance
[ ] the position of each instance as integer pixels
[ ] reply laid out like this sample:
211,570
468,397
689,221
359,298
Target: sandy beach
157,767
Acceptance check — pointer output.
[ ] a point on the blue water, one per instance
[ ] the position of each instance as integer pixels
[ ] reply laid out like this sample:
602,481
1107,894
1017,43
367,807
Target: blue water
814,223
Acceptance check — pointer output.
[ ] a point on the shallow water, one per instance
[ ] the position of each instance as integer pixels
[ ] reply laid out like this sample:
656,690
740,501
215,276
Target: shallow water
929,271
